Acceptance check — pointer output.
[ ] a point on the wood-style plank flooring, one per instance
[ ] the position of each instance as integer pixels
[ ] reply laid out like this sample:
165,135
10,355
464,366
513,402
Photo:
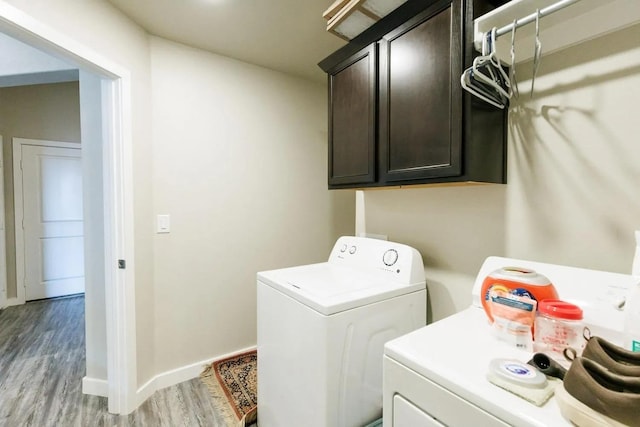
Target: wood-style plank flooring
42,362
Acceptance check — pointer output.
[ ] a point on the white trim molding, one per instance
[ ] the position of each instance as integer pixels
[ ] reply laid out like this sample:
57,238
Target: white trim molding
118,228
95,387
3,230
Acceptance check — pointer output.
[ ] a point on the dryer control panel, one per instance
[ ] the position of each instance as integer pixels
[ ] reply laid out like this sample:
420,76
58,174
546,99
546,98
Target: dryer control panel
391,260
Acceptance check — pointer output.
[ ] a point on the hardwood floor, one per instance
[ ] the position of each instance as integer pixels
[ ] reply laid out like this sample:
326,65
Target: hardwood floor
42,362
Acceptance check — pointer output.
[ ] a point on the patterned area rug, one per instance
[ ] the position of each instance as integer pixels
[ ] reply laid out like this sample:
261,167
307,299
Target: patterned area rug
233,386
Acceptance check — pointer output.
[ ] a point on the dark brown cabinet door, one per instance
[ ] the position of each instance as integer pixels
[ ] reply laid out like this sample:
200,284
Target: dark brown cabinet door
420,97
352,119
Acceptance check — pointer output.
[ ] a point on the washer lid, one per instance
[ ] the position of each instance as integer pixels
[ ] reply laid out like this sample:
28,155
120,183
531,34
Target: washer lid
329,288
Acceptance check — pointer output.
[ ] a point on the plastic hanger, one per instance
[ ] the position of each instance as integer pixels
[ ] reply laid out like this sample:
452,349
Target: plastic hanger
479,87
537,53
486,79
503,78
468,83
488,69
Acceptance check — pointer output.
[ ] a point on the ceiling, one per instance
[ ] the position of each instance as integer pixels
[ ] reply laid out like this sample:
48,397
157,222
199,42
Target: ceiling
284,35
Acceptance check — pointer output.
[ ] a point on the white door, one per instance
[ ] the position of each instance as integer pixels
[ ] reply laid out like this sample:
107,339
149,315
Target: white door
52,224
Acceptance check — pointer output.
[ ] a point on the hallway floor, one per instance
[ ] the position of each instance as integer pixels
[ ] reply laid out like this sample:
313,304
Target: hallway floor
42,362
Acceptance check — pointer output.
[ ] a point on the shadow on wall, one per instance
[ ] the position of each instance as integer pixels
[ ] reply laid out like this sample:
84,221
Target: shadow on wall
573,167
581,168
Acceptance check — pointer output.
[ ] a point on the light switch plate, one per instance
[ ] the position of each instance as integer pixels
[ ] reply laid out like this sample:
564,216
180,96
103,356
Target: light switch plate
163,224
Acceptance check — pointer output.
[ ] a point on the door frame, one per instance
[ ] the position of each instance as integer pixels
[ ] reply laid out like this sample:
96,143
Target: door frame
3,237
18,206
118,195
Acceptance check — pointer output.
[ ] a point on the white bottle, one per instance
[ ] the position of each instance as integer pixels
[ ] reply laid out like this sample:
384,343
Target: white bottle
635,268
632,306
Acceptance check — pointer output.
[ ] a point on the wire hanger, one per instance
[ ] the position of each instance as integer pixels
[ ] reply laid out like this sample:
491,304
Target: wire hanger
537,53
514,92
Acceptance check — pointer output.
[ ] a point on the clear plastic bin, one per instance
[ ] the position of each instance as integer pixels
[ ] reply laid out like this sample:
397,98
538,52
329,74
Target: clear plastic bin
558,325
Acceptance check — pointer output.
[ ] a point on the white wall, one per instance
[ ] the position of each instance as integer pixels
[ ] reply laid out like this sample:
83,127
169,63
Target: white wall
240,165
573,173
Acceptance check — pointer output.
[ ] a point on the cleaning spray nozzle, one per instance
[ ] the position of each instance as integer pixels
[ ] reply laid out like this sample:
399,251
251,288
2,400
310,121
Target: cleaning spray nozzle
547,366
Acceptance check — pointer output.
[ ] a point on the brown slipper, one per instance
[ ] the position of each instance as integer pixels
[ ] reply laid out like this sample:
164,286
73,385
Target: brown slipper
592,395
612,357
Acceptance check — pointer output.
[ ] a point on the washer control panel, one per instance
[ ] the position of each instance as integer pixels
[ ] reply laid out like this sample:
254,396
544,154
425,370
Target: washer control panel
380,257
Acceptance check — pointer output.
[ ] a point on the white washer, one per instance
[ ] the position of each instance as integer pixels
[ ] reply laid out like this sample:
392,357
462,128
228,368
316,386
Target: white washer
322,329
436,375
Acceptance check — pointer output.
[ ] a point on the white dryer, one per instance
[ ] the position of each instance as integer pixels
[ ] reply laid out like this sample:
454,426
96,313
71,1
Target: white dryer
436,375
322,329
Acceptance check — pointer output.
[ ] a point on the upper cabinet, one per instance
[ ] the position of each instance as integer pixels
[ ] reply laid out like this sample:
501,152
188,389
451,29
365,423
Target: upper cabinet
397,112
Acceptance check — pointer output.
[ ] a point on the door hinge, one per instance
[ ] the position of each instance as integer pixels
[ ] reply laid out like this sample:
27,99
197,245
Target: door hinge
122,264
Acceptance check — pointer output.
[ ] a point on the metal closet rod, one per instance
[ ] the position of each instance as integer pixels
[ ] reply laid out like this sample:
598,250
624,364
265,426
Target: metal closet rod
531,18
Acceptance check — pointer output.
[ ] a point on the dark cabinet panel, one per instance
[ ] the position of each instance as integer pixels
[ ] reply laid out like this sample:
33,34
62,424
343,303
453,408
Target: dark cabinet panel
420,112
352,128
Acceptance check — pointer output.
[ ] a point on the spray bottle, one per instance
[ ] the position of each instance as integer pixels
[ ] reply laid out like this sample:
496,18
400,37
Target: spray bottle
632,306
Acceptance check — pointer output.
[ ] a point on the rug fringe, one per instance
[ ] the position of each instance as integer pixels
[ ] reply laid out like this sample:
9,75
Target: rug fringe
208,371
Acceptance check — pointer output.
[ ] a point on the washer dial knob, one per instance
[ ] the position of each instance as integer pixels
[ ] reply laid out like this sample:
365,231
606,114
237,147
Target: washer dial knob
390,257
343,248
352,250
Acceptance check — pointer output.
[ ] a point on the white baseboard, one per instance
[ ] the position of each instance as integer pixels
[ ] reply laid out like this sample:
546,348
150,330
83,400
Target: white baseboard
14,301
178,375
95,387
145,391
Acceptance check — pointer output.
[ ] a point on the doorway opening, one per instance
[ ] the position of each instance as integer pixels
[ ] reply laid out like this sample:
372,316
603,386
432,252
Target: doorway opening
114,89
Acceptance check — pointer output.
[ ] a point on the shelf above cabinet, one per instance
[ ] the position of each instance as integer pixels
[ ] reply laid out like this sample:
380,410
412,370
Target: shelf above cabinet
584,20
